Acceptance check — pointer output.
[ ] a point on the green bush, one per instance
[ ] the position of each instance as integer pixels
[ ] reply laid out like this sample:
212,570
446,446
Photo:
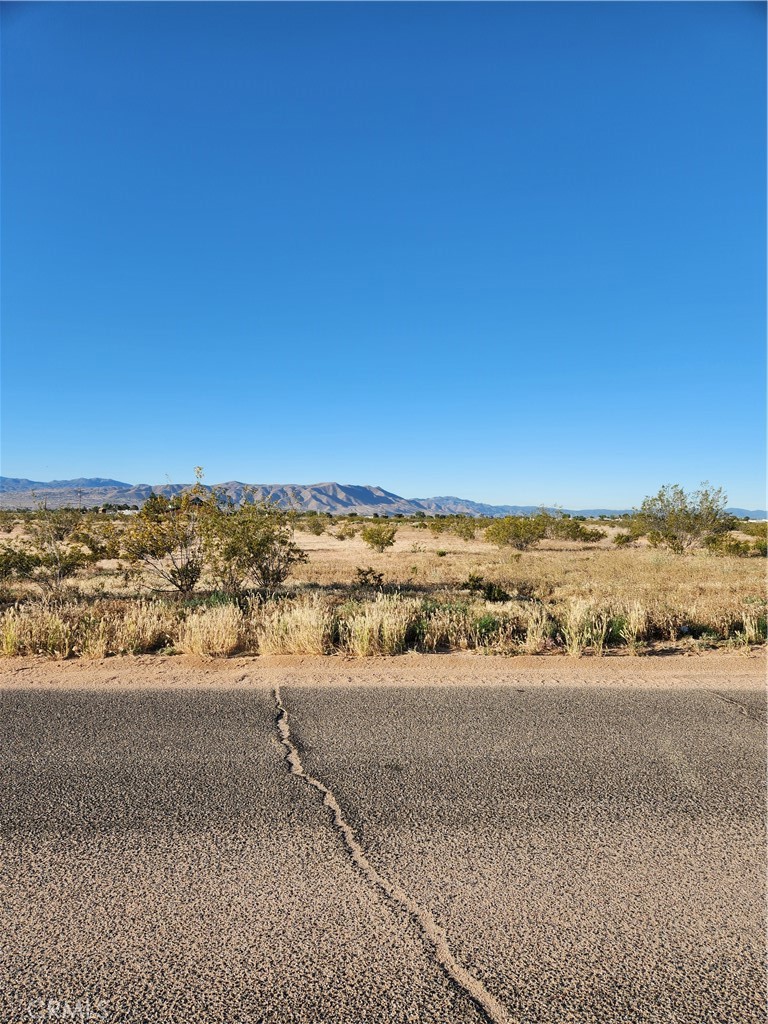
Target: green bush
251,544
569,529
758,529
165,540
490,591
677,520
725,544
464,528
346,531
379,536
50,554
314,524
519,532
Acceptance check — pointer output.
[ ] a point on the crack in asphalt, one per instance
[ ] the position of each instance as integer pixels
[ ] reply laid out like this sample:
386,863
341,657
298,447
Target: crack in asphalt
745,711
435,935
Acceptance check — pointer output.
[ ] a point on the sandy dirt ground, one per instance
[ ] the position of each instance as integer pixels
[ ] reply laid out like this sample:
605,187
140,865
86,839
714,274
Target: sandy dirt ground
726,671
427,838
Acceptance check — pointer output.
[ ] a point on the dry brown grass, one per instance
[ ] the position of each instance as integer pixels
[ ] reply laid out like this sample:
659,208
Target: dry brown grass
212,632
35,629
304,626
381,626
564,596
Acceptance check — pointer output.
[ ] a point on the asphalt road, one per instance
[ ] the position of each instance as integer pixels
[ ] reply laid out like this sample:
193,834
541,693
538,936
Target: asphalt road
588,855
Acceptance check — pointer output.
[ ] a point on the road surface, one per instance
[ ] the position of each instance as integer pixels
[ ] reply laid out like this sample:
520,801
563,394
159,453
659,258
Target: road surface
351,854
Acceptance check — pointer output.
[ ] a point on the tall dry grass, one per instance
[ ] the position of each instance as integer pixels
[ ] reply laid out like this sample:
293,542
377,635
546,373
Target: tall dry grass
35,629
538,630
212,632
386,624
633,625
146,627
382,626
304,626
87,631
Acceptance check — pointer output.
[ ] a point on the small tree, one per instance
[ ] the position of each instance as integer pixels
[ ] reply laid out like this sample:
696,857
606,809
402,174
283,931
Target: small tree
678,520
379,535
165,539
564,528
313,523
100,534
464,528
49,554
253,544
519,532
346,531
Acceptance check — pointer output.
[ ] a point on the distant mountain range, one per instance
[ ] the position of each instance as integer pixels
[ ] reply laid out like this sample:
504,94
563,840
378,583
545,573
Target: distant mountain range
338,499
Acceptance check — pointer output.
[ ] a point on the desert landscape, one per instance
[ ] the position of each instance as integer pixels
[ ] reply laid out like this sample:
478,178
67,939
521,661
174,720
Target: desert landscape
383,515
196,573
436,768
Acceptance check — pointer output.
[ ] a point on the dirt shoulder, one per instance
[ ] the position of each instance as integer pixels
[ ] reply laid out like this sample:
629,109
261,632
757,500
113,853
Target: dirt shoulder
672,671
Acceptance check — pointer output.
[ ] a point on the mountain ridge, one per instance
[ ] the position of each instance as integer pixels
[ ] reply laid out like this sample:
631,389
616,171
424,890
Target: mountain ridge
329,496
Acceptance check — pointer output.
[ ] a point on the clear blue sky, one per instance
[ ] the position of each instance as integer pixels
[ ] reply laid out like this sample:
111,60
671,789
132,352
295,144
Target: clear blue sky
514,252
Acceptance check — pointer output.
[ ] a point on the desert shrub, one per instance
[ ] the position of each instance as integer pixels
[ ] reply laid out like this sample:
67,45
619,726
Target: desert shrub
304,626
252,544
565,528
519,532
213,632
725,544
757,529
623,540
100,535
48,566
490,591
760,547
473,582
165,541
379,536
314,524
464,528
678,520
49,554
7,520
368,577
346,531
